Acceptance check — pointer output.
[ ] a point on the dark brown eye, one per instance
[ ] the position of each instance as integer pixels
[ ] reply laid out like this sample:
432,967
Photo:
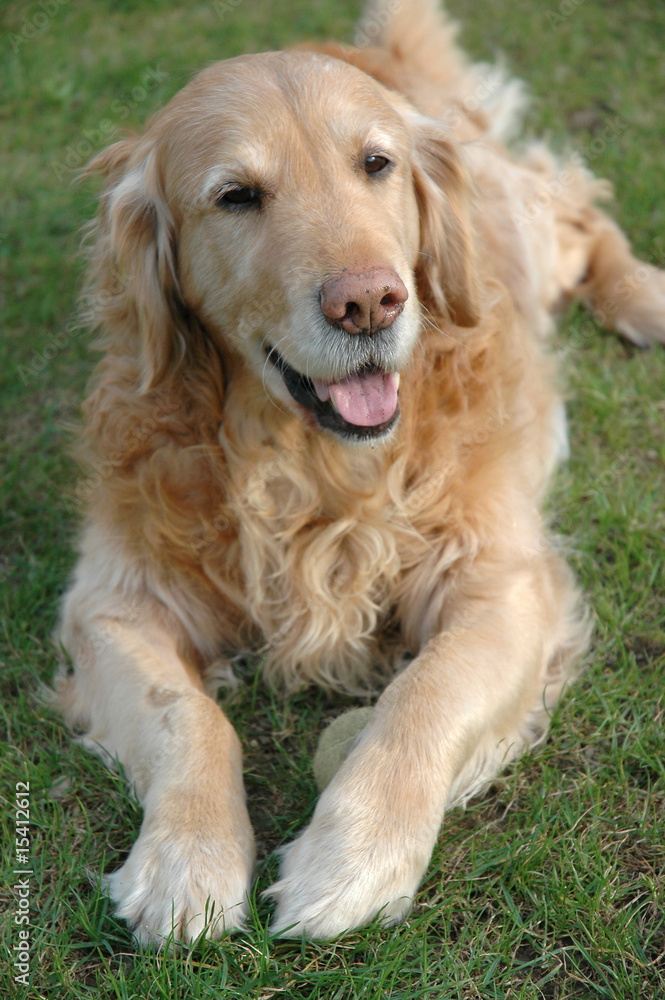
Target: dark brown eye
239,196
374,164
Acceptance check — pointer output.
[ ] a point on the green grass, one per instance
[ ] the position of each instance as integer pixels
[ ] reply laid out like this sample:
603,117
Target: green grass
551,886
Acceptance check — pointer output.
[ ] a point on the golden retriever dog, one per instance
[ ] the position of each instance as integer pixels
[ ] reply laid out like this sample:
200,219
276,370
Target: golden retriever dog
322,429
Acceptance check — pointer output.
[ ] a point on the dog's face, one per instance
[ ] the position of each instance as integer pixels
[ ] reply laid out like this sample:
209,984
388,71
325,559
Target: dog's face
304,215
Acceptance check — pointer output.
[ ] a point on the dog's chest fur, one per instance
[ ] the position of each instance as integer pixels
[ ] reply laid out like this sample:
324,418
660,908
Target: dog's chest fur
323,578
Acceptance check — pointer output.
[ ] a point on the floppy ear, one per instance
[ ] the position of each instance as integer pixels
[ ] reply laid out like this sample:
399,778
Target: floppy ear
446,270
135,283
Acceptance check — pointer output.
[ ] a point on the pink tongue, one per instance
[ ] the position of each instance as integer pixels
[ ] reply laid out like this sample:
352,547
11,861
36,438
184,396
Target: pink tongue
363,400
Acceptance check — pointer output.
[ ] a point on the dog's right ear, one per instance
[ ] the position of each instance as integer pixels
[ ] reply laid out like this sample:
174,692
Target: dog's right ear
134,276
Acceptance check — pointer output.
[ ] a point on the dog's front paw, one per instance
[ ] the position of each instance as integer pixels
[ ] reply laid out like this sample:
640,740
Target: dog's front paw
173,888
361,857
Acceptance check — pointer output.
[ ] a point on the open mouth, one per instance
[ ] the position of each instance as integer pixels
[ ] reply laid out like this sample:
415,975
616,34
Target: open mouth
362,405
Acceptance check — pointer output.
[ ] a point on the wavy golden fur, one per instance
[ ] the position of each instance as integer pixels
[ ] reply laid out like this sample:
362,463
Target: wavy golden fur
221,517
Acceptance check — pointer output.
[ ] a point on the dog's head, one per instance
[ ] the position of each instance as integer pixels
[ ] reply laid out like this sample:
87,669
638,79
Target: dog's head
300,215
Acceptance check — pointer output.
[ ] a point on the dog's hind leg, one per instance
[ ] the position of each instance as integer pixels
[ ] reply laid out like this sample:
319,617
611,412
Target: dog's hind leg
624,293
593,261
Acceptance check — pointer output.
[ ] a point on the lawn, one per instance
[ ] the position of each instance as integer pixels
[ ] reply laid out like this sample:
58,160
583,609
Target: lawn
553,884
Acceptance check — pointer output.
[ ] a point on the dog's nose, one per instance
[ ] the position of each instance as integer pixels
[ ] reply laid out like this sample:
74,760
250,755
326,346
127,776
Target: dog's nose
363,302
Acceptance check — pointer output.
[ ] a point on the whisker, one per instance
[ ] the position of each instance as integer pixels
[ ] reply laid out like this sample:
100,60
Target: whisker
271,348
444,333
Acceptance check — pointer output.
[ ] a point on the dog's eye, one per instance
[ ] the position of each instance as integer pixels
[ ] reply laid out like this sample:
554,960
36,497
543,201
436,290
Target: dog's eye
374,164
239,196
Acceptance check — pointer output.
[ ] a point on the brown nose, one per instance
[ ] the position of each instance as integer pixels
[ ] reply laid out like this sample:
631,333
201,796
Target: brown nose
363,302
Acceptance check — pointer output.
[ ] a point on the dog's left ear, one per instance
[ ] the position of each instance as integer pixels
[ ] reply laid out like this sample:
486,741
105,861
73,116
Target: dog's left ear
446,270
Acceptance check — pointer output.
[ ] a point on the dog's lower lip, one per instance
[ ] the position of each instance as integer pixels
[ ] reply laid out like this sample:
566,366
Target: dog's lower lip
327,415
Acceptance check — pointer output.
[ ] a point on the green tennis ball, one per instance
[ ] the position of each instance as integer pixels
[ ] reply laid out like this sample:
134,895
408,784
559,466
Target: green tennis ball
336,742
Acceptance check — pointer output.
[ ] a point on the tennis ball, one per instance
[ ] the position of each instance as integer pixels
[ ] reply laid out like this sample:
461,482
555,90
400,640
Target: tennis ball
336,742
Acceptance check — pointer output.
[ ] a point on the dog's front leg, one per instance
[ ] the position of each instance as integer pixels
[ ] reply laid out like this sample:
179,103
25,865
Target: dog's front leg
442,728
140,704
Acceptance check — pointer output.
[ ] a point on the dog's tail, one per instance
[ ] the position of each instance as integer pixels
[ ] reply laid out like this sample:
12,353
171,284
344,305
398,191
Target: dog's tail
436,75
417,33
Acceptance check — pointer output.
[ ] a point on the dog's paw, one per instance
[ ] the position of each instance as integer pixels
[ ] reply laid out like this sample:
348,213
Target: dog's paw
641,306
360,858
172,889
323,900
